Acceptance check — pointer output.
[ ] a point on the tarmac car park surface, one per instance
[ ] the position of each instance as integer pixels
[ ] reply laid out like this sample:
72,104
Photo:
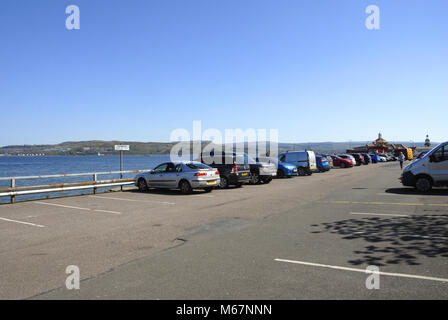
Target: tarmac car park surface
301,238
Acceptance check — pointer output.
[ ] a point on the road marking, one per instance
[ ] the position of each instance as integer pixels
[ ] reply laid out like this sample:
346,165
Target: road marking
107,211
389,203
402,275
23,222
380,214
132,200
77,208
61,205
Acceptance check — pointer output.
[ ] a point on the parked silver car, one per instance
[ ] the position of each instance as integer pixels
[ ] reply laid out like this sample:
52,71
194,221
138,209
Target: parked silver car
185,176
261,169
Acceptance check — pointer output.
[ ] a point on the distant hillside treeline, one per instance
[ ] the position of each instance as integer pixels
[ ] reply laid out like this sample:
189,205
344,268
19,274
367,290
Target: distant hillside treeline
107,147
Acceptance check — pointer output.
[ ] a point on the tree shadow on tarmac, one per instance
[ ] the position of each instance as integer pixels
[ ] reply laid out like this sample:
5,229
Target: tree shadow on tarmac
395,240
412,191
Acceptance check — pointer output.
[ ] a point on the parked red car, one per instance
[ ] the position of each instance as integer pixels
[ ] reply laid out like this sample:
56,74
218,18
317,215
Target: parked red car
343,163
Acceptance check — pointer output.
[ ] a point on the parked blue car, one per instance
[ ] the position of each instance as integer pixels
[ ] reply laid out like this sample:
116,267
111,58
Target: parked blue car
284,169
375,158
322,163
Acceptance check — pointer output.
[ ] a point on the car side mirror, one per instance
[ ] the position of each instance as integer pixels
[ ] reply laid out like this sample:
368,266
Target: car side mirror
432,158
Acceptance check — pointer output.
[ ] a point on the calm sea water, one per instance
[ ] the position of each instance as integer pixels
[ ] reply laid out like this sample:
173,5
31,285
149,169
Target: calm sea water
31,166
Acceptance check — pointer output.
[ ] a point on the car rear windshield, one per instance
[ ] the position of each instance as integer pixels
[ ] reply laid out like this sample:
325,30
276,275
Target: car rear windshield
197,166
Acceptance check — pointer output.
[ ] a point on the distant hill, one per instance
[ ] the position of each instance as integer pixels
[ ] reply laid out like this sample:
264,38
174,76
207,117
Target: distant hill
88,148
107,147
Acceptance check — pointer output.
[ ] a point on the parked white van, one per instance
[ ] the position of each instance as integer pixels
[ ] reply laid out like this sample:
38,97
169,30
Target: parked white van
305,161
429,171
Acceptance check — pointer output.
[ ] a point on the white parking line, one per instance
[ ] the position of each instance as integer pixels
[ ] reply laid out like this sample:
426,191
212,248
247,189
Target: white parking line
107,211
380,214
77,208
132,200
61,205
402,275
23,222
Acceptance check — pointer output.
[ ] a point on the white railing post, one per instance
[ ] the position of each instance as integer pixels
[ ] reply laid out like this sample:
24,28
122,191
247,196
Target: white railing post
94,181
13,185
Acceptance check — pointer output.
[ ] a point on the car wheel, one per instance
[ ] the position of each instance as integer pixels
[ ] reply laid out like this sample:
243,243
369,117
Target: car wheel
207,190
224,183
280,173
423,184
142,185
254,178
185,187
301,172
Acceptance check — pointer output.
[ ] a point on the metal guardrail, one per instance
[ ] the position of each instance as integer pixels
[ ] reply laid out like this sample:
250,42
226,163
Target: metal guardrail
13,191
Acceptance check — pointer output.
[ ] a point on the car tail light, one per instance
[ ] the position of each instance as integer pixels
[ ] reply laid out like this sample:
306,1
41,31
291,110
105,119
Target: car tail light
235,169
197,174
217,172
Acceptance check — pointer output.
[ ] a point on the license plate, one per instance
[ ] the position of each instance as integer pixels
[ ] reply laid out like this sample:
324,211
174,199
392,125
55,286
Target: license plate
244,174
211,182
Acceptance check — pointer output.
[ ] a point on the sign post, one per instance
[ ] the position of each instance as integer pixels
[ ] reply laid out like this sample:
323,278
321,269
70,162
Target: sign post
121,148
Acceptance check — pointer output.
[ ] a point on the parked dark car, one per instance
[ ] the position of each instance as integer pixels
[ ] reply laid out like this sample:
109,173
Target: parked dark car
233,168
367,158
359,158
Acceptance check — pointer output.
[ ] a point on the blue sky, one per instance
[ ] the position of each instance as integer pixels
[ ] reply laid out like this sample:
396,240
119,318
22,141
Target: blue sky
136,70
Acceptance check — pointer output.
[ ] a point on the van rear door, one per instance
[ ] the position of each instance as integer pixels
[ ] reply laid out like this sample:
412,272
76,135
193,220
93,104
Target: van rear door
312,159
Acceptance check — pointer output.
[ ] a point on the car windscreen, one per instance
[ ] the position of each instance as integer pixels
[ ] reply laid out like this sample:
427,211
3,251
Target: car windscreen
244,159
266,159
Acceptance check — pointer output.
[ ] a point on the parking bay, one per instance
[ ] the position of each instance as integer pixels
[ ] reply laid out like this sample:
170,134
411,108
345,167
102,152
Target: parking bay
227,243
